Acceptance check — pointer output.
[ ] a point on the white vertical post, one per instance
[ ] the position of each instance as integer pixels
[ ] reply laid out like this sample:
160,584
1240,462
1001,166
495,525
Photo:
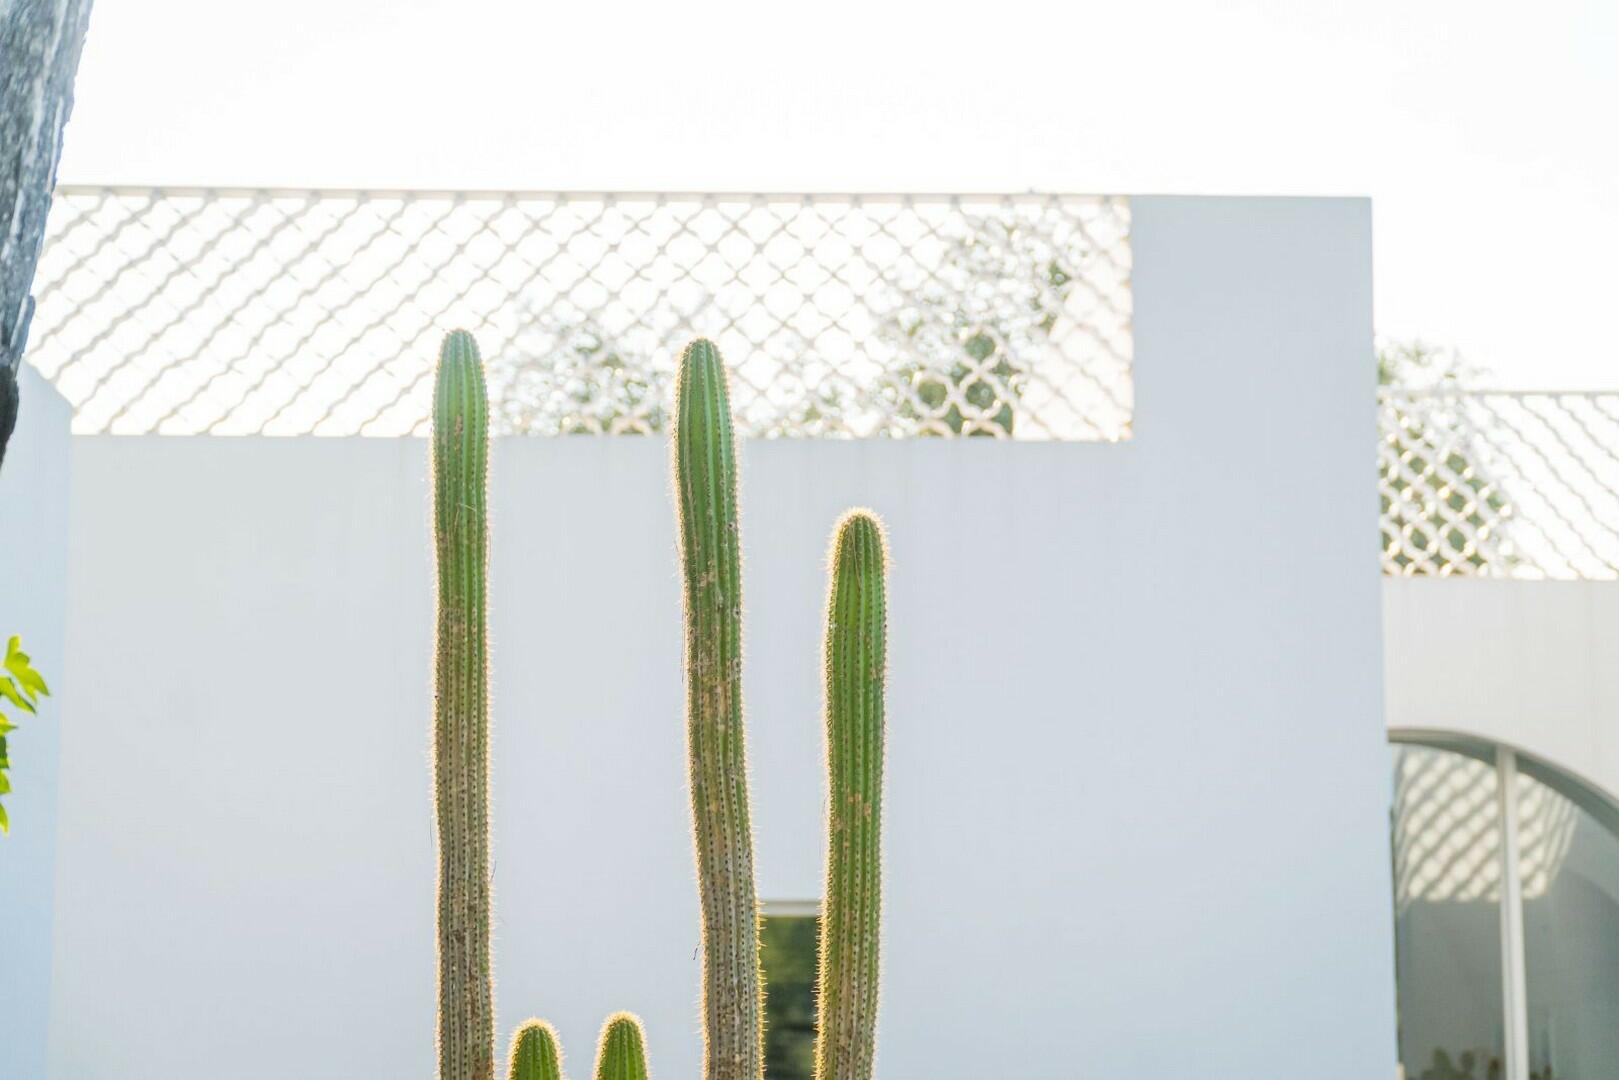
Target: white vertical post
1514,973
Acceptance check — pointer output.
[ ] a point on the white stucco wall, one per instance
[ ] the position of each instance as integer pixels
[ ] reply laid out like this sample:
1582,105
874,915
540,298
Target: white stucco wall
1137,772
1533,665
34,486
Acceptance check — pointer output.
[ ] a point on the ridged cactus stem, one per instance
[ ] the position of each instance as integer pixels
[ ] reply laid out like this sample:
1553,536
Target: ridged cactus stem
466,1016
856,656
705,484
536,1053
621,1054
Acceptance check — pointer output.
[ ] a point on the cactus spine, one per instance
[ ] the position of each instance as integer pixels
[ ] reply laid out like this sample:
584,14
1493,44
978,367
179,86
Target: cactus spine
705,485
536,1054
621,1053
856,658
466,1031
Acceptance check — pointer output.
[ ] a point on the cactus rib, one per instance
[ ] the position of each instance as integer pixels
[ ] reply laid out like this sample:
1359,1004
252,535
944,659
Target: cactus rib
856,655
466,1032
705,483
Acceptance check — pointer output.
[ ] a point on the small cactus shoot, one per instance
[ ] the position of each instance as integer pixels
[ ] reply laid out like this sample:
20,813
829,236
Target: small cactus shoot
536,1053
705,479
856,654
466,1018
621,1053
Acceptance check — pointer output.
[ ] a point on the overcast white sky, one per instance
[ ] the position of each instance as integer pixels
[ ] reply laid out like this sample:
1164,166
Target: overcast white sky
1486,131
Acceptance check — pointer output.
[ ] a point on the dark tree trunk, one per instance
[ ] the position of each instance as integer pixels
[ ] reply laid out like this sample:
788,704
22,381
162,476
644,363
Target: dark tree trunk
8,407
40,42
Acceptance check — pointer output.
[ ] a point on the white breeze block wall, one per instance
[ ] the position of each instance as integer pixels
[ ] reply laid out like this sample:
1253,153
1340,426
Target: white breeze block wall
1137,770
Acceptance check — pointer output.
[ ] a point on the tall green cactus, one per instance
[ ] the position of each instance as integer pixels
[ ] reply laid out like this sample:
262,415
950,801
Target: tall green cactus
536,1053
466,1016
856,661
705,484
705,477
621,1053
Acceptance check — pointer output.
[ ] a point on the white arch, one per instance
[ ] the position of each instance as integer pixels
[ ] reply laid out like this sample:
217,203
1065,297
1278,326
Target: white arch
1530,665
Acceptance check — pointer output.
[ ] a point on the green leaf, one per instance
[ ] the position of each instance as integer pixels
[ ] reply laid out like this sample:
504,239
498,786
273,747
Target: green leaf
5,822
34,683
5,784
21,665
8,690
17,662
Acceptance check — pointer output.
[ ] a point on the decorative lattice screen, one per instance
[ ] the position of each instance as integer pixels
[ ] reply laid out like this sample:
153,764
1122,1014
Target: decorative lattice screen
293,312
1502,484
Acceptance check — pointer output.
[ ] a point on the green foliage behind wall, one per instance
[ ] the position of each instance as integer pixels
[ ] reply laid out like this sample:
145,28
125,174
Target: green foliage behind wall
21,687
